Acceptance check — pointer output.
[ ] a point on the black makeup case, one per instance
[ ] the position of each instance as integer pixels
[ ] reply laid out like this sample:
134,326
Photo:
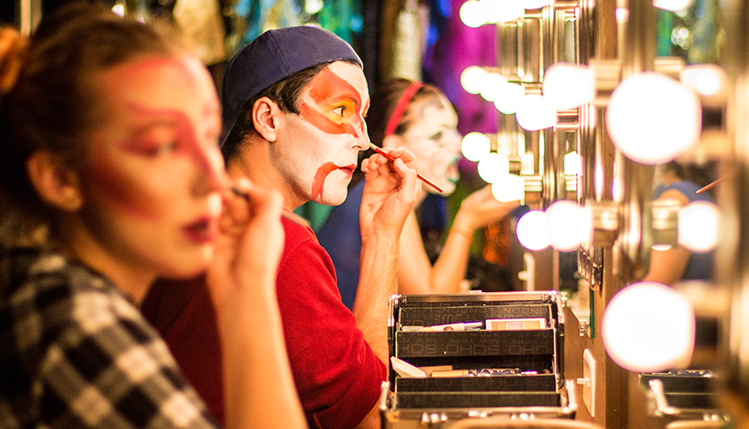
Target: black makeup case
475,355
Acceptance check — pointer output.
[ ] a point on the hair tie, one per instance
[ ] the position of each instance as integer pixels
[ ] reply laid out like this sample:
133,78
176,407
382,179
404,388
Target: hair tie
400,108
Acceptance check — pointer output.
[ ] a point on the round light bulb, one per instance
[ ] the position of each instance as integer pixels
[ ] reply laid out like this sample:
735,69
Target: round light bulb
568,85
472,14
649,327
532,230
508,187
492,166
699,226
536,112
652,118
313,6
706,79
672,5
509,97
475,146
471,79
569,225
491,86
502,10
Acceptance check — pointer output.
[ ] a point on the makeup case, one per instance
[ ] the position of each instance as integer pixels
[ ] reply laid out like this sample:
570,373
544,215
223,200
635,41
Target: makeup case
475,355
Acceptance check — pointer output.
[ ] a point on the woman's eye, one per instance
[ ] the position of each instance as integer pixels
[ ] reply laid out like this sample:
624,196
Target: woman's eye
163,149
436,137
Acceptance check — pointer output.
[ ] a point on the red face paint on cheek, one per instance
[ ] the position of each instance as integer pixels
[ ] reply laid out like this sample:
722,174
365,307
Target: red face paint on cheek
319,181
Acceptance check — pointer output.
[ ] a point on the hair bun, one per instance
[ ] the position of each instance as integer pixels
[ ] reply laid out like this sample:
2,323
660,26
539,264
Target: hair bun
12,52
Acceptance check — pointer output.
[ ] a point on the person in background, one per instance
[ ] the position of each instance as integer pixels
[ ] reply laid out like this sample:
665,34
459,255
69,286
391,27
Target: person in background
294,102
679,184
111,176
419,118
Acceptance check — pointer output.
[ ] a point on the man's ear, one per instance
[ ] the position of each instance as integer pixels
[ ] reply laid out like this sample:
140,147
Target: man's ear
265,118
55,182
392,141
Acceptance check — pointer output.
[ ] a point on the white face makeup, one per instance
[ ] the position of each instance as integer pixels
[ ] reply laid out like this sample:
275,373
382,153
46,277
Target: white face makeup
318,154
152,184
434,140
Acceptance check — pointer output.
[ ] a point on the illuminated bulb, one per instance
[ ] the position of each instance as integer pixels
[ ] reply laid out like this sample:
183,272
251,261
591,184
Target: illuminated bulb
652,118
649,327
572,164
508,187
706,79
698,226
672,5
535,112
568,86
492,85
537,4
471,79
509,97
475,146
119,9
501,10
622,15
569,225
472,14
492,166
532,230
313,6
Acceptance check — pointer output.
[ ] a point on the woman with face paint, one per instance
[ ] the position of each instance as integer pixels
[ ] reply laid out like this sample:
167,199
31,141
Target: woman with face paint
111,176
419,118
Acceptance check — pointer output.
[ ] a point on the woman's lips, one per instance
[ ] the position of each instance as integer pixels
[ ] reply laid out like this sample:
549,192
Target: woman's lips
202,231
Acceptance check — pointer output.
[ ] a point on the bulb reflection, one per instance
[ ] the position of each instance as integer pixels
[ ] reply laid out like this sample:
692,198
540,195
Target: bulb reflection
699,226
508,187
533,230
492,166
475,146
536,112
569,225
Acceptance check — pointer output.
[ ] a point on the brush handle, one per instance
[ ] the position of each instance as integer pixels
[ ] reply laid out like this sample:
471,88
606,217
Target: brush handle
387,155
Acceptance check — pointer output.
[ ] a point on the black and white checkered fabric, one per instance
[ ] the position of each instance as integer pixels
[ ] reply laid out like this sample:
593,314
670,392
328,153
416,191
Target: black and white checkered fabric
76,353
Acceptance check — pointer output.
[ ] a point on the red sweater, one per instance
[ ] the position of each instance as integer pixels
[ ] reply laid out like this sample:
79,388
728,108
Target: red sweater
337,375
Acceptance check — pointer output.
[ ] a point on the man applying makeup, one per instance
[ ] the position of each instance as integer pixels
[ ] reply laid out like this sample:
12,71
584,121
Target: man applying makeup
294,103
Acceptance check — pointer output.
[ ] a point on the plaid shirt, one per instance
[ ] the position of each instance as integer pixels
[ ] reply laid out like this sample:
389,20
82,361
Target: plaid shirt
76,353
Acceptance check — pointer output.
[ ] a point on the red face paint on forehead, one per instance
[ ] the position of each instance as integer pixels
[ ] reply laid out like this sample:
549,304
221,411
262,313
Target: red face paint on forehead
334,105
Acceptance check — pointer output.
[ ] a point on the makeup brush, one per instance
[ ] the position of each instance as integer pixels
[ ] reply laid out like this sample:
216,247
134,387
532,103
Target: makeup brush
386,155
284,214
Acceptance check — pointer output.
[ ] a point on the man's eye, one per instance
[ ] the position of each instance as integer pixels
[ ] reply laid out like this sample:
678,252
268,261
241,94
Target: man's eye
339,110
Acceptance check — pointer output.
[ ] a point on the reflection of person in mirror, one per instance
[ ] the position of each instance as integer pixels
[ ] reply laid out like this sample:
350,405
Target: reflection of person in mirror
678,183
417,117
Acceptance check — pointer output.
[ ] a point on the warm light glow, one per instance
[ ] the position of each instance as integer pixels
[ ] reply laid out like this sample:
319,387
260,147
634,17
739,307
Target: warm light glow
572,164
492,166
501,10
649,327
471,79
537,4
706,79
509,97
472,14
119,9
568,85
533,230
491,86
622,15
699,224
475,146
652,118
569,225
313,6
672,5
536,112
508,187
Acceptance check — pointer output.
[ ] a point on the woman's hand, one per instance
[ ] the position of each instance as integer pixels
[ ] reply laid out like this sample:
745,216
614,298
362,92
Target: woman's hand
248,249
481,209
389,192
